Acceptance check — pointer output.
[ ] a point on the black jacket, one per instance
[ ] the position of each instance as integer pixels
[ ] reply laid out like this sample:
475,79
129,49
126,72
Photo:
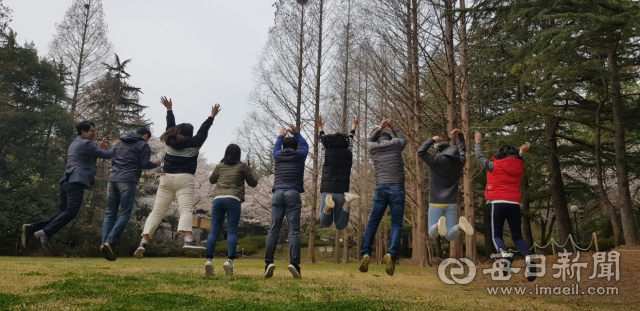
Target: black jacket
131,155
336,171
182,157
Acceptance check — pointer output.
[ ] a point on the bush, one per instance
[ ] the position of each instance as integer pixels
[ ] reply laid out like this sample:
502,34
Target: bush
604,245
251,246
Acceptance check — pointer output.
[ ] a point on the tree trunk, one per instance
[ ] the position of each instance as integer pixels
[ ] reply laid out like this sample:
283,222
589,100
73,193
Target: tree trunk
450,79
527,233
465,114
556,184
622,175
81,56
316,166
336,246
345,246
608,207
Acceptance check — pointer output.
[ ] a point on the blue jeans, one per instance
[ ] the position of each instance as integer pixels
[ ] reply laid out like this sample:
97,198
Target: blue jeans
119,195
391,195
450,212
337,215
511,213
220,207
289,204
71,195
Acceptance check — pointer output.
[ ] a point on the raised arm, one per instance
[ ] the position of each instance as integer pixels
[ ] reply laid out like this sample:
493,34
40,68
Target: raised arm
352,134
423,152
399,138
171,119
487,164
461,144
145,158
203,131
277,147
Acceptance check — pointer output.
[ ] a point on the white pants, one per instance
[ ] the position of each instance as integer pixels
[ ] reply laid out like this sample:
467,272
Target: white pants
172,186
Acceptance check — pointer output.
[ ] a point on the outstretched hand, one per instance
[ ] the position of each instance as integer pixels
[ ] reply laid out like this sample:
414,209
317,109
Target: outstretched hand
524,148
292,129
103,144
456,132
158,162
356,121
166,102
389,123
437,138
215,110
478,138
283,132
319,123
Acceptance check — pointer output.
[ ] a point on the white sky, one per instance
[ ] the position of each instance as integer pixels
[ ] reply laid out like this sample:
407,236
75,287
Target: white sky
197,52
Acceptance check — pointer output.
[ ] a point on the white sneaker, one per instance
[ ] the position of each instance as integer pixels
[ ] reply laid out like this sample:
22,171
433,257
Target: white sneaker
208,268
348,196
268,271
465,225
228,268
442,226
329,201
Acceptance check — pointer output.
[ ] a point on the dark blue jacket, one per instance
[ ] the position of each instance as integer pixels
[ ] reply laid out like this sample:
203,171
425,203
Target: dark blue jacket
81,161
289,168
130,156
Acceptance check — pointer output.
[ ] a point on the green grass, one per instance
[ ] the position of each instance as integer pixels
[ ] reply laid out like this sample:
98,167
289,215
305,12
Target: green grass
180,284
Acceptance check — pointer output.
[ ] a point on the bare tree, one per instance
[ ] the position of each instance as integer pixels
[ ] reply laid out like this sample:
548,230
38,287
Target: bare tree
81,44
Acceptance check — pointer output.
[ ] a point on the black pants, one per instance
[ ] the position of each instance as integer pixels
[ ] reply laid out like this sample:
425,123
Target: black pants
511,213
71,195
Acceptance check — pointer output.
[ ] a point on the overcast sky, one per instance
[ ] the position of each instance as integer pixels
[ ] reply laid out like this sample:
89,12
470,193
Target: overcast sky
197,52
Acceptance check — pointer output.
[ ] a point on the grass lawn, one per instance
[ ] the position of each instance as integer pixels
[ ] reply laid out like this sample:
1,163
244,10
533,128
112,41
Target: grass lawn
32,283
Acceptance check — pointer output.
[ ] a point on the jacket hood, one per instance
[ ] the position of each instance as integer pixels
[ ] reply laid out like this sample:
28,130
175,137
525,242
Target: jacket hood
131,137
513,165
452,151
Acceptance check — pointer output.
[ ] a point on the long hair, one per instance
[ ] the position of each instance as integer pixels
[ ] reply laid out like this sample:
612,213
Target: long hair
232,155
178,133
335,141
506,151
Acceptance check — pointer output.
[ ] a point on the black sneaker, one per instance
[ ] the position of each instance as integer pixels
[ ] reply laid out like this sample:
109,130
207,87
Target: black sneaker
192,245
364,263
44,240
108,252
531,272
507,263
295,271
390,263
27,231
268,270
140,251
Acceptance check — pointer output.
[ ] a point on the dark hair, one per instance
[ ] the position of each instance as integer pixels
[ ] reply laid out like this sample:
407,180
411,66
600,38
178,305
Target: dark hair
506,151
290,142
442,146
335,141
178,133
232,155
84,126
144,131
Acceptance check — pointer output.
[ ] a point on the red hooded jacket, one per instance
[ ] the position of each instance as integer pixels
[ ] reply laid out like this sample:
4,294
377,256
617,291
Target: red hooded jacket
504,182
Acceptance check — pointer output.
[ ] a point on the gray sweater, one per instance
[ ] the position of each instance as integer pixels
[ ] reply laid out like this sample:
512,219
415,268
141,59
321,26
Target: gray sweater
387,157
445,170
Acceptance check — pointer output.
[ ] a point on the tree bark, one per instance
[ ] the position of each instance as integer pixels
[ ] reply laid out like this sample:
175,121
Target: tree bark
556,184
622,175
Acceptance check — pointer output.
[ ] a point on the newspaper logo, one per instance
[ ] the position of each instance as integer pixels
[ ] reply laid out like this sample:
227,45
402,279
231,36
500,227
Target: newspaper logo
456,271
